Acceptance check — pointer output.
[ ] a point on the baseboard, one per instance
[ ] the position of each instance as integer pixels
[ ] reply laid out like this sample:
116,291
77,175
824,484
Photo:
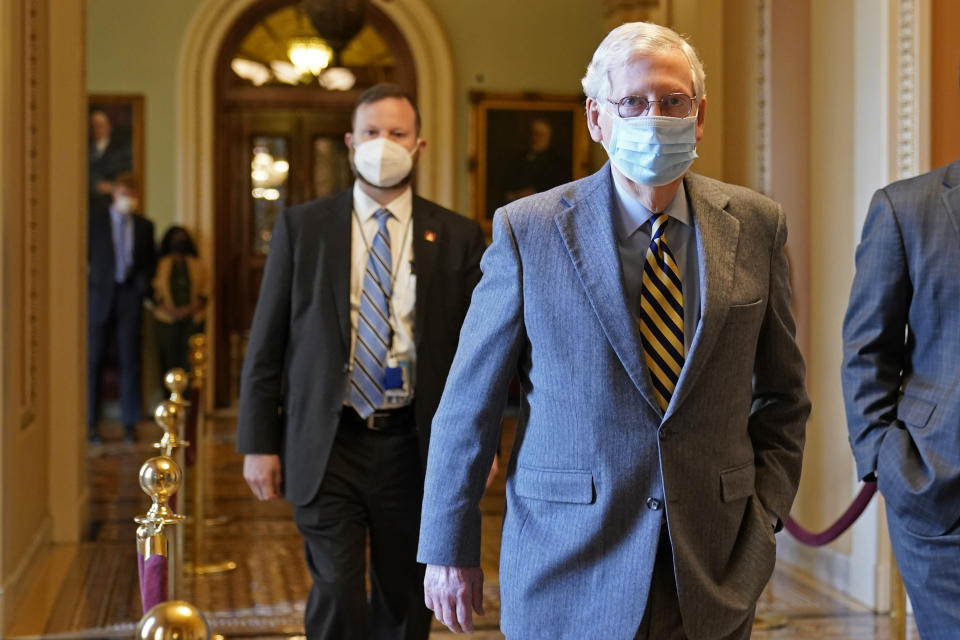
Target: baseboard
826,565
11,591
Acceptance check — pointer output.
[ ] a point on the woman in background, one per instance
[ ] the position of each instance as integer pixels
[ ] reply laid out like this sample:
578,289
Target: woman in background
180,294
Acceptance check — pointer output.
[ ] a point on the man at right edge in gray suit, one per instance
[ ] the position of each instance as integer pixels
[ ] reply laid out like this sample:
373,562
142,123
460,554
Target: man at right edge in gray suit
901,383
658,447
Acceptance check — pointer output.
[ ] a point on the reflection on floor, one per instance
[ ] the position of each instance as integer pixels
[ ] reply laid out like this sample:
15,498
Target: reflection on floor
90,590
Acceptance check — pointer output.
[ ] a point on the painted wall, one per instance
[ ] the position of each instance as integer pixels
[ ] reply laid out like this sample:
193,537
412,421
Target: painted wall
133,48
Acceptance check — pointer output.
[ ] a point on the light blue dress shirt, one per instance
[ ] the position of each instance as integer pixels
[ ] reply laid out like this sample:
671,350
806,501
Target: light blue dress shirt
631,223
122,226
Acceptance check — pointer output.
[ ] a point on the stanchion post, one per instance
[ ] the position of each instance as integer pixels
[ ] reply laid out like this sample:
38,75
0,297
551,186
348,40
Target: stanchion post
174,620
160,479
171,416
898,601
198,360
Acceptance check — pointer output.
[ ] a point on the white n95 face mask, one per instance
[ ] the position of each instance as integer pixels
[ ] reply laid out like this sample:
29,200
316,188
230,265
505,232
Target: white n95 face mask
653,150
382,162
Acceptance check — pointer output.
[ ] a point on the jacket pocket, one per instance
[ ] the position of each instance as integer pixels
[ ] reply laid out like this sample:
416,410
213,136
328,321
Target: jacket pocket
914,411
554,485
737,482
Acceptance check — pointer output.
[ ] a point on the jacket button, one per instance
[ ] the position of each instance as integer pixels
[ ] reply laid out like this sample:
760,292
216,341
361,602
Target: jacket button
346,367
653,504
664,434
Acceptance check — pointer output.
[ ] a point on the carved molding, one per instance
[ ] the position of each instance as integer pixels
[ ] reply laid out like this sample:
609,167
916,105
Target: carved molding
33,198
763,96
907,97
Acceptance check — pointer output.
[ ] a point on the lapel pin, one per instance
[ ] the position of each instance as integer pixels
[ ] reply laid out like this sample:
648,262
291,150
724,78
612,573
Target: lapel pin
430,236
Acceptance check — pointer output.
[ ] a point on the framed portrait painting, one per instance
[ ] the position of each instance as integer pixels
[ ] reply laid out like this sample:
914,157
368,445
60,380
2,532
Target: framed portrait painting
523,144
114,142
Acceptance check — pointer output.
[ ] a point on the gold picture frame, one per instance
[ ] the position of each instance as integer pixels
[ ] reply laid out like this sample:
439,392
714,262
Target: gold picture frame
125,114
522,144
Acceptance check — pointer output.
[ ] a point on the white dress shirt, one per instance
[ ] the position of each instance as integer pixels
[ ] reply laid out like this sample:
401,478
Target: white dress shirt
363,229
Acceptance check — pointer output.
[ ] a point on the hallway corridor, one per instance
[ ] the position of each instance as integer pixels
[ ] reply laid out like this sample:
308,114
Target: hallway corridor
90,590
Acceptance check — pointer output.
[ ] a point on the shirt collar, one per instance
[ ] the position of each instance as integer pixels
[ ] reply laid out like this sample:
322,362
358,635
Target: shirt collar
401,207
631,215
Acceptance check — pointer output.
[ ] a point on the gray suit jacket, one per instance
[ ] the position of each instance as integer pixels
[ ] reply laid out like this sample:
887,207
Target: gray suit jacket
296,369
595,459
901,335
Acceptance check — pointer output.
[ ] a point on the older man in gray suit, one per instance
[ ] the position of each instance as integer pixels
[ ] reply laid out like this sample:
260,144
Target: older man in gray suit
660,437
901,383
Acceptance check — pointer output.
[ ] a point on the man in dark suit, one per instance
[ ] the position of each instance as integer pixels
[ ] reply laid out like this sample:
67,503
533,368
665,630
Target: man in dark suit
109,156
121,261
901,383
357,323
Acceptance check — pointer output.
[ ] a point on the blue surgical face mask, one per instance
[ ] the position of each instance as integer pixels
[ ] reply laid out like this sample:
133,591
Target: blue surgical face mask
653,150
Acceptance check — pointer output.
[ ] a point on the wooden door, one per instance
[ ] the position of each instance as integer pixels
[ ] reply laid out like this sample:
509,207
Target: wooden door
274,158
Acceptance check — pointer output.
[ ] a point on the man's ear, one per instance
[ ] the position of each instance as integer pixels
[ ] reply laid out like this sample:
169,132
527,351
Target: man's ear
701,114
593,120
348,139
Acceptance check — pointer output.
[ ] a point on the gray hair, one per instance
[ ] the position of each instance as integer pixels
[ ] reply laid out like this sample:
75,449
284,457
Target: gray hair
634,39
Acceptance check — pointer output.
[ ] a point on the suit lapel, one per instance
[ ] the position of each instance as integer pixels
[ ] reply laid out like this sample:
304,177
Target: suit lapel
336,244
951,195
426,237
587,231
717,234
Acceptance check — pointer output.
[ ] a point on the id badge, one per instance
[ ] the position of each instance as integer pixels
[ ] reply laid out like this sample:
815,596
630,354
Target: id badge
396,381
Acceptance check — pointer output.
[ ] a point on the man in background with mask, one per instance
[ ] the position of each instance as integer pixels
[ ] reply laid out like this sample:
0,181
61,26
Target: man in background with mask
120,262
647,312
361,304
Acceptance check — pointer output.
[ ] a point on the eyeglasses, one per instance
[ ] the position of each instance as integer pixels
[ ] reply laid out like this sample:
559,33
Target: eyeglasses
675,105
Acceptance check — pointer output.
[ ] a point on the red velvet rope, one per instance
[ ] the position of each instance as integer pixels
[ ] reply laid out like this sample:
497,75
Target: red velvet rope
842,524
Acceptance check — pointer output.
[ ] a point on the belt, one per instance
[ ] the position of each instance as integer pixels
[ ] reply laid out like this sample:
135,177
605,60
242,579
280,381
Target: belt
399,420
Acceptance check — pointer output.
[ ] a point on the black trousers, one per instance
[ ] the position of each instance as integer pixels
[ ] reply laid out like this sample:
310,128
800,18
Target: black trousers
122,324
373,487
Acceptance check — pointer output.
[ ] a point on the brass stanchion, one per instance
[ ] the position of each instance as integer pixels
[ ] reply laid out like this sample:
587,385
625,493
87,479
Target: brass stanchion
174,620
160,479
171,415
898,601
198,360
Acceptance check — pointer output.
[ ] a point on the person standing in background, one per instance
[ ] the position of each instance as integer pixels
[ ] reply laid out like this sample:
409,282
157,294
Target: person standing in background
180,297
120,263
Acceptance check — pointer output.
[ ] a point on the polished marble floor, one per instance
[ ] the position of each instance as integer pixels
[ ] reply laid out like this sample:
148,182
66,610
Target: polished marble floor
90,590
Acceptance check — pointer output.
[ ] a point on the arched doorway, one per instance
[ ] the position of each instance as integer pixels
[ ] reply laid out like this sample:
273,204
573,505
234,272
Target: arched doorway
278,141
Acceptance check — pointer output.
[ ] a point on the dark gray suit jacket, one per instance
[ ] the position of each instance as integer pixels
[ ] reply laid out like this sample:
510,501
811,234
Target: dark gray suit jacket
101,262
295,372
901,335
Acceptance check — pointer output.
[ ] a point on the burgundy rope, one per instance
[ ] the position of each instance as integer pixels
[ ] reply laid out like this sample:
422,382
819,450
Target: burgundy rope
842,524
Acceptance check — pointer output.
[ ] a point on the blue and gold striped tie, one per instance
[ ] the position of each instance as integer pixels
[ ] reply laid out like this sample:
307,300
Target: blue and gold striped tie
661,313
374,333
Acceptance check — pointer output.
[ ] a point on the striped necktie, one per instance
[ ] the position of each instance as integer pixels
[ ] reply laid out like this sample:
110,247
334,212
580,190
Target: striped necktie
661,314
374,334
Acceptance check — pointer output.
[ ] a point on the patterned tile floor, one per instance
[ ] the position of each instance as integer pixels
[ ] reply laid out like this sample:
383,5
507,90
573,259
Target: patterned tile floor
96,593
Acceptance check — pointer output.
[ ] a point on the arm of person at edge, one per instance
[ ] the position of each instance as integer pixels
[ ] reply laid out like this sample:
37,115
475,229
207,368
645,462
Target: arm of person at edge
874,334
468,422
777,422
260,428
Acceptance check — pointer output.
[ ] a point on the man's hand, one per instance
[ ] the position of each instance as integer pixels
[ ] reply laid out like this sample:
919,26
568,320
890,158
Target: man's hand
263,475
451,592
